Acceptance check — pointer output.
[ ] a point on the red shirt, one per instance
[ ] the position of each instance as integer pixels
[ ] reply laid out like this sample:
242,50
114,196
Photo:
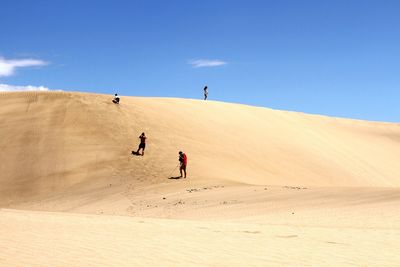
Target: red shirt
184,159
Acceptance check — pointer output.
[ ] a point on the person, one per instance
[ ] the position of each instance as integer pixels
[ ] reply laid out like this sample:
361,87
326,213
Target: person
183,163
142,144
116,99
205,92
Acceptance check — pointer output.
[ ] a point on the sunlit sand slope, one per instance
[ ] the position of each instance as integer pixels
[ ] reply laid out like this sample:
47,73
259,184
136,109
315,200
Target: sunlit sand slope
64,239
264,187
53,141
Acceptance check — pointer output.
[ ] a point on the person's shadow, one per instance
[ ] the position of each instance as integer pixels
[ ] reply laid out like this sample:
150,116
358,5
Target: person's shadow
175,177
135,153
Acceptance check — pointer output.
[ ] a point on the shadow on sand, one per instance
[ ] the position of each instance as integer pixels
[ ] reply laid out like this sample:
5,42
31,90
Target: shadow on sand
175,177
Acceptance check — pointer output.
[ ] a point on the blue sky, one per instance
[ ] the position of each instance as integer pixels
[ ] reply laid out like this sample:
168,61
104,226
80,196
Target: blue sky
338,57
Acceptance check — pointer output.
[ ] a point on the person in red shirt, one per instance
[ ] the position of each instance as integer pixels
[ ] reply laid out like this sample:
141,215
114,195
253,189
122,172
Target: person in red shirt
183,162
142,144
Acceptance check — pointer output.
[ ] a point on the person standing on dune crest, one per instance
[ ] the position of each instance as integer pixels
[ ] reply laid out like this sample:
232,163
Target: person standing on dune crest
183,163
205,92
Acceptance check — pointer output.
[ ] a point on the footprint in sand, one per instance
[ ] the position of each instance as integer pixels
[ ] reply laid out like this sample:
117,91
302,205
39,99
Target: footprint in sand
294,187
286,236
251,232
335,243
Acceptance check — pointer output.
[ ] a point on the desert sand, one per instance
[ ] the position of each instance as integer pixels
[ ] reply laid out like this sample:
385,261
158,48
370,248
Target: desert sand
264,188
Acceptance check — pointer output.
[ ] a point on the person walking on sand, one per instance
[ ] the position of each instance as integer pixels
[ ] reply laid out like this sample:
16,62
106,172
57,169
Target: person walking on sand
116,99
183,163
142,144
205,92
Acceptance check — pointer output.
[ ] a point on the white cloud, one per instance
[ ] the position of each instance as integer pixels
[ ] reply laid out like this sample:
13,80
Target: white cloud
8,87
201,63
8,66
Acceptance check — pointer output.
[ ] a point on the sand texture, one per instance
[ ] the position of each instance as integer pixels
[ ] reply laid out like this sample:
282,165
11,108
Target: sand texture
264,187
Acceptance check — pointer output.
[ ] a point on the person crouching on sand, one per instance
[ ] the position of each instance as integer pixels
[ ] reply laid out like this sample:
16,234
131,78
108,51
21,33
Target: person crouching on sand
142,144
183,162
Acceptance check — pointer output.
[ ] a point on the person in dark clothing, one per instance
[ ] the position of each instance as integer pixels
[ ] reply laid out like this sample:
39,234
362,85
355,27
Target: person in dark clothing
116,99
183,163
205,92
142,144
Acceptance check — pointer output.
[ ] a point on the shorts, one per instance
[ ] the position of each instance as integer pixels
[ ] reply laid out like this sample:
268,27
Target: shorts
183,167
142,145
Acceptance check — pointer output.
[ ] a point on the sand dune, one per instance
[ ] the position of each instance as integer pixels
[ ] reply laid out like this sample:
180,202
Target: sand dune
53,141
277,173
45,239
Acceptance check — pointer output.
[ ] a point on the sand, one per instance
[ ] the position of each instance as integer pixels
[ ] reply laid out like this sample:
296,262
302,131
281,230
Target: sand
264,187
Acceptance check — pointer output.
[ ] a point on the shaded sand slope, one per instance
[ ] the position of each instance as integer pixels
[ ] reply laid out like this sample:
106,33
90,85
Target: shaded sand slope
57,141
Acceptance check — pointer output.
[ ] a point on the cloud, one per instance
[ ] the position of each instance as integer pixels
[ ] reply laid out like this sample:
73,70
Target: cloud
8,66
8,87
201,63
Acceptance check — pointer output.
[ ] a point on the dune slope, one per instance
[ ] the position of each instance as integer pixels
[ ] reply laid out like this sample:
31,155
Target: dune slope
57,141
265,187
35,239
